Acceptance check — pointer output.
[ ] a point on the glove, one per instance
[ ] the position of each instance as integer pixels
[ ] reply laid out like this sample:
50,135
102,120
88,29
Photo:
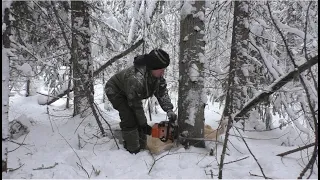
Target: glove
146,129
171,116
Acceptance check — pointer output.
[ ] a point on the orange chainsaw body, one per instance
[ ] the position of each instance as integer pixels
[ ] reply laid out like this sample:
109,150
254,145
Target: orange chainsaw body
164,131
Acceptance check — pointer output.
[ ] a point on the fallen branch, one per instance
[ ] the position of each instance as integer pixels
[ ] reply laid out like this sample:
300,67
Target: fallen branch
296,150
274,87
237,160
155,160
259,138
112,60
253,155
11,169
95,73
16,142
71,147
258,175
310,163
83,169
49,167
115,140
20,144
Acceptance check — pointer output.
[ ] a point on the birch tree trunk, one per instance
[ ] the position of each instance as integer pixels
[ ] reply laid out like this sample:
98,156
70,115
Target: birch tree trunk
5,88
81,56
191,100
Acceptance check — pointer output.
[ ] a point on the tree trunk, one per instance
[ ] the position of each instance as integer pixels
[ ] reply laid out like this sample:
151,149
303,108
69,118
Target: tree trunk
238,64
5,88
191,100
81,56
235,96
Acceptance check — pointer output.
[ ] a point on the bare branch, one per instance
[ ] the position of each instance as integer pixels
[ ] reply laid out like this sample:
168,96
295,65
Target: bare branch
71,147
20,144
83,169
315,119
237,160
305,46
258,175
253,155
296,150
49,167
108,125
112,60
274,87
11,169
155,160
95,73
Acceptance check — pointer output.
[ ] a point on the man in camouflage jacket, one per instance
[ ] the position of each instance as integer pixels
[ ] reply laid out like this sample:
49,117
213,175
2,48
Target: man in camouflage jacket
127,88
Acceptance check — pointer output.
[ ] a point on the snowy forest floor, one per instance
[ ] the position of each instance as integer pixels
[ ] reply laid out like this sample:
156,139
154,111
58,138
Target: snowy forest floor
52,150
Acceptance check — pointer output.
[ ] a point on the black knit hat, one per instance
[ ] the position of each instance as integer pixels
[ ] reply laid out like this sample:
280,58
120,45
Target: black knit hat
157,59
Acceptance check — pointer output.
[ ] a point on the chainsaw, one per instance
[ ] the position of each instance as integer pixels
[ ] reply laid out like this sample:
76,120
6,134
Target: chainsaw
165,131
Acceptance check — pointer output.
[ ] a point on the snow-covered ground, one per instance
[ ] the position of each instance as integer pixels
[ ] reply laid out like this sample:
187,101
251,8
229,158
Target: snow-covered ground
53,143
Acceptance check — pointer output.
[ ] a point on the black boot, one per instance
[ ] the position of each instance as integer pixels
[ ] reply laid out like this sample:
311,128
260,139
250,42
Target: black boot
131,141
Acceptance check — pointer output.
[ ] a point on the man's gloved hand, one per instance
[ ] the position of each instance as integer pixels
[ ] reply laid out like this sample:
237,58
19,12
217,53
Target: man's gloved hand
171,116
146,129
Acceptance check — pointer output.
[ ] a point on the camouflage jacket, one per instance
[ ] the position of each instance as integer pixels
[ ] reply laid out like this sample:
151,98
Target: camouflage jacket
136,83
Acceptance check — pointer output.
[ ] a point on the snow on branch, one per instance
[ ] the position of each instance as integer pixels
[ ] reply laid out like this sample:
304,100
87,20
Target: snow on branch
276,85
95,73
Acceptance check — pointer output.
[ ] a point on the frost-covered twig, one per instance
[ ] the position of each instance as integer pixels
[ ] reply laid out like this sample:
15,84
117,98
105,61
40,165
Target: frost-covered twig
49,167
253,155
296,150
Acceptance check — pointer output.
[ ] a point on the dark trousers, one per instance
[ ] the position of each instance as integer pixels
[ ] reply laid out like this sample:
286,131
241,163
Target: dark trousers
128,118
126,113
